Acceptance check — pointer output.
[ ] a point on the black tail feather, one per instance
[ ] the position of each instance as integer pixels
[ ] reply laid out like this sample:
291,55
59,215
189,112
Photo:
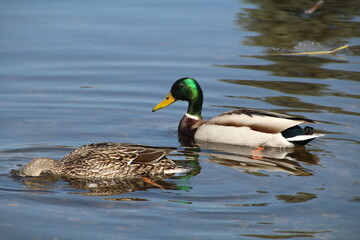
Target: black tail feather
297,130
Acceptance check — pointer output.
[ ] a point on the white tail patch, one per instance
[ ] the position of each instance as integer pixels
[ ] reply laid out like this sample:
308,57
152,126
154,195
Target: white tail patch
303,137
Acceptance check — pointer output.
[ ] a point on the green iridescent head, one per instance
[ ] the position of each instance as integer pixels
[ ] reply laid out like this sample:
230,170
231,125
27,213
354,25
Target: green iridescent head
185,89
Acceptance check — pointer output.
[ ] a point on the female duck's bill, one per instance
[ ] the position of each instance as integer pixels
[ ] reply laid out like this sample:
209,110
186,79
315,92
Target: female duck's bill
246,127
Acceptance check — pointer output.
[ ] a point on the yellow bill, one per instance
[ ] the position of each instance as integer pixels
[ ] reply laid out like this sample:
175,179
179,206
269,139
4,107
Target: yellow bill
166,102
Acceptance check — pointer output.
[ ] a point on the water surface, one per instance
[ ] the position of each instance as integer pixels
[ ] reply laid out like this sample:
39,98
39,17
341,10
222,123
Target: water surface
74,73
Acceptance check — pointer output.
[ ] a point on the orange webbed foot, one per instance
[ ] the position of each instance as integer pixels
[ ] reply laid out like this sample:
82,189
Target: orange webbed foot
148,180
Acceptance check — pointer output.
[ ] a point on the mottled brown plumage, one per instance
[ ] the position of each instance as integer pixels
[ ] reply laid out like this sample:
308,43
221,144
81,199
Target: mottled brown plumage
106,160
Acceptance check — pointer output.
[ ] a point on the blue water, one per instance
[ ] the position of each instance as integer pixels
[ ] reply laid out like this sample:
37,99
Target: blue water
73,73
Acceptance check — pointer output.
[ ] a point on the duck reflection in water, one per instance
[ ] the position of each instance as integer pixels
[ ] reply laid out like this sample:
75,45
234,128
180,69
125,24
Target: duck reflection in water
94,187
245,159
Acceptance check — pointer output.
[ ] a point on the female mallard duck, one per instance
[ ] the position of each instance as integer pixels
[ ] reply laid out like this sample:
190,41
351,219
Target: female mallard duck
246,127
105,160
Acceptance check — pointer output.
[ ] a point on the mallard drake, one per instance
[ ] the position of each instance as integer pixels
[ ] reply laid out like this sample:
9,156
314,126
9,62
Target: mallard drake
106,160
246,127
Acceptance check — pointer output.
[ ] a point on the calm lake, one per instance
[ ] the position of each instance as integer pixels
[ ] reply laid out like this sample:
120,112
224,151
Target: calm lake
79,72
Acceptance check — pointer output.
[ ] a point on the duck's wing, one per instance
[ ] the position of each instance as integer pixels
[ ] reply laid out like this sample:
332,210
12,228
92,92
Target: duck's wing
258,120
146,154
117,152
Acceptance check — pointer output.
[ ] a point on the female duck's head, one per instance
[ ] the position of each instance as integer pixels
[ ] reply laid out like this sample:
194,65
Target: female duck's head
185,89
38,167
